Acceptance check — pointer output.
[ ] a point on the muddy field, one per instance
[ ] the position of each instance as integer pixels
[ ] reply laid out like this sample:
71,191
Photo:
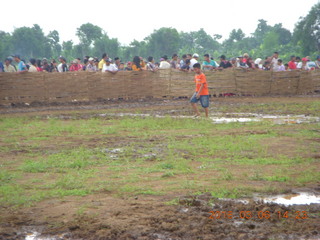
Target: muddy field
181,214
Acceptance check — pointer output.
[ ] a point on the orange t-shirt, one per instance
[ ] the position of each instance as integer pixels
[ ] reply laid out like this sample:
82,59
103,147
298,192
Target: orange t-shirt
199,79
135,68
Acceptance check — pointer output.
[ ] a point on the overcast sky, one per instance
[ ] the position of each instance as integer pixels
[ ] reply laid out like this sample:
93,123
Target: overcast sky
128,20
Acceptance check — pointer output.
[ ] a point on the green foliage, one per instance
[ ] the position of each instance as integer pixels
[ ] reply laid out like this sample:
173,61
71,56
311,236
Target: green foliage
163,41
307,32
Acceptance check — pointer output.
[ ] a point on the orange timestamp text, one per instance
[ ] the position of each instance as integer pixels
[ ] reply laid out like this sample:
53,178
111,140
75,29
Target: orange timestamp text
299,215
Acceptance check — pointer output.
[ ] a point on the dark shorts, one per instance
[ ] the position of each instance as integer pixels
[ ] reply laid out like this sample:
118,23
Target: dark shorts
204,100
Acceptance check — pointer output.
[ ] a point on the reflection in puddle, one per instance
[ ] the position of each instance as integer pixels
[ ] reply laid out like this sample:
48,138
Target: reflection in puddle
36,236
234,117
291,199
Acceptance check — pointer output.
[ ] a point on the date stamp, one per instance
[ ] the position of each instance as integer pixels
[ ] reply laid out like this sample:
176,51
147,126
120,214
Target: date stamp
298,215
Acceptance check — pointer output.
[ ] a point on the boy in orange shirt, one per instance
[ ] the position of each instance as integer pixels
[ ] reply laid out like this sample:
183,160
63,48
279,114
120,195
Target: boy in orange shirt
202,92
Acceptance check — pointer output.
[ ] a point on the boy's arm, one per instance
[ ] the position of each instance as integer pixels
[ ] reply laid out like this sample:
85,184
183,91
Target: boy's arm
198,93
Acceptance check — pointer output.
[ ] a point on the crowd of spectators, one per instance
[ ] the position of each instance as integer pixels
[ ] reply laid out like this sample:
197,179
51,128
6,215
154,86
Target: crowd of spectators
185,63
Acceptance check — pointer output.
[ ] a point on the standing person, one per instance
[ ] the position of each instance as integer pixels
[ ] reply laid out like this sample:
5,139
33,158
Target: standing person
280,67
186,66
292,64
91,67
117,62
39,65
33,66
22,68
8,67
53,66
62,67
121,66
202,93
1,67
208,64
274,60
318,62
164,64
79,62
194,60
224,63
103,61
138,64
108,67
75,67
304,65
250,63
183,60
241,63
174,62
245,57
150,65
128,67
45,66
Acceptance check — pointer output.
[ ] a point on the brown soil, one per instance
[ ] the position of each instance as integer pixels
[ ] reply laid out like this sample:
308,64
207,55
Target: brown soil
103,216
106,217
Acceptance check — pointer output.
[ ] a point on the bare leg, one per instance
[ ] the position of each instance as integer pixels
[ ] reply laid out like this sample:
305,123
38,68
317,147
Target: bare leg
207,112
195,108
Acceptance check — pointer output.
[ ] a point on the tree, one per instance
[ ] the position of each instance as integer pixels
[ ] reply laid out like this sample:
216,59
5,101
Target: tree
199,42
163,41
54,39
262,29
106,45
5,45
285,35
31,42
88,33
67,48
307,31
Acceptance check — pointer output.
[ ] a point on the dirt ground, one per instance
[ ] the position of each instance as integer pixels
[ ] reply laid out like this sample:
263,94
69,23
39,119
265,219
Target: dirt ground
151,217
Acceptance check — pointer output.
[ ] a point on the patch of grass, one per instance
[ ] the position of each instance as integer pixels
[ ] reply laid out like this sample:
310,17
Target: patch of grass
7,177
308,176
34,166
277,178
173,202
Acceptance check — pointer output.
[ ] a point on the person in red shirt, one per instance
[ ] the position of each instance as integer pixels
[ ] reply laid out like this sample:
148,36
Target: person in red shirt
75,66
202,93
292,64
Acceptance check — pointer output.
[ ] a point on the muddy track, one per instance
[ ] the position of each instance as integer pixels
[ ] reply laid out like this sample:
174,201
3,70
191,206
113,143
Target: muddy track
195,217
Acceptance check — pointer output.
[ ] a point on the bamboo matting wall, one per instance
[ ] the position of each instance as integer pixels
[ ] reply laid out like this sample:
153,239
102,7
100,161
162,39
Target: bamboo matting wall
85,86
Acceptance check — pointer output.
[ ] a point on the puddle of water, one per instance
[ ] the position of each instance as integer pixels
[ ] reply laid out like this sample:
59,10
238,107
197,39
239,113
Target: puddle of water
37,236
231,120
234,117
291,199
299,198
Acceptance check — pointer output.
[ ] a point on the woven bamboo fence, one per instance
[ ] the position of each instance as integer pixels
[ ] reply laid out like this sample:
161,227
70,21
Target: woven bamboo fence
86,86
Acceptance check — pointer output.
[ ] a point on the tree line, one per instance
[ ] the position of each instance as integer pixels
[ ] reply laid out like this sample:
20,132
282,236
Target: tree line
93,41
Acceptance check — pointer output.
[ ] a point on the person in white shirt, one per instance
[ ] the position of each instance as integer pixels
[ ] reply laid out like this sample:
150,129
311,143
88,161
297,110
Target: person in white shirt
164,63
274,61
108,67
194,60
280,67
32,67
304,64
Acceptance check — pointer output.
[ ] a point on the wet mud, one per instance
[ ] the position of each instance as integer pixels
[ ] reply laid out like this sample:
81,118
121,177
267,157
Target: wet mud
191,217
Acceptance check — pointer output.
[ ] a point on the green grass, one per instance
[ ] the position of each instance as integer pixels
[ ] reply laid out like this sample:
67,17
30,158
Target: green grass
50,158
